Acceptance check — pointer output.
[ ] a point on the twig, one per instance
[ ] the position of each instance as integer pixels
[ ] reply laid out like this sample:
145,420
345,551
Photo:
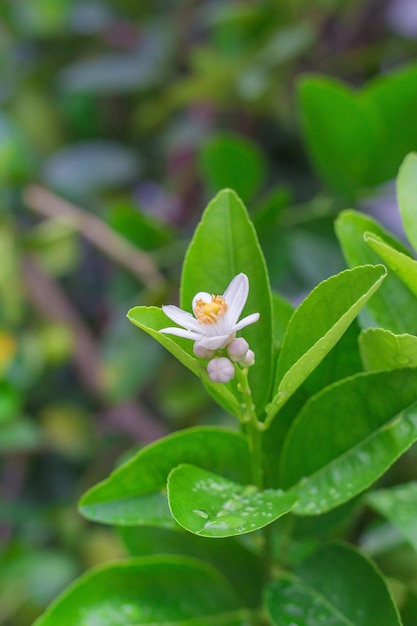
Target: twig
11,484
48,297
52,302
95,230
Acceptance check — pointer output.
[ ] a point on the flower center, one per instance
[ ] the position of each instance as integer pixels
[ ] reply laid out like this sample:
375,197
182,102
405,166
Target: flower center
210,312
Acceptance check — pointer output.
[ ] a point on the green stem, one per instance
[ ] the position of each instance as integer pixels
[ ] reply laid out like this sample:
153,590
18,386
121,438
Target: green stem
254,432
253,426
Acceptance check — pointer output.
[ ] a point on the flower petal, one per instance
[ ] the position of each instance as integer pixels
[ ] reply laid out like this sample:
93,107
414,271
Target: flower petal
236,295
249,319
181,332
201,295
183,318
215,343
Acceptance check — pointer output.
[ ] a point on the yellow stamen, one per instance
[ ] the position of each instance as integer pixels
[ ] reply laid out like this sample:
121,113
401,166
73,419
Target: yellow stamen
210,312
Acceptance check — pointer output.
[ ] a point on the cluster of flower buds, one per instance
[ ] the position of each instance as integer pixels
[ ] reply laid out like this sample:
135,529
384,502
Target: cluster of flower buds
213,328
220,368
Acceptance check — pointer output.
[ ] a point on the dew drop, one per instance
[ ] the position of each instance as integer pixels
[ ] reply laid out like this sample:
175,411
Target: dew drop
216,525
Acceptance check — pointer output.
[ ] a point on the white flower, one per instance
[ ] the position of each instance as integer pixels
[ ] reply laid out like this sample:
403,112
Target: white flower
216,317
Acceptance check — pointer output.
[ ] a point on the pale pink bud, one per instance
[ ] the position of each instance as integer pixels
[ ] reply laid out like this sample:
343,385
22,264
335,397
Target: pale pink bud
237,349
220,370
203,353
249,359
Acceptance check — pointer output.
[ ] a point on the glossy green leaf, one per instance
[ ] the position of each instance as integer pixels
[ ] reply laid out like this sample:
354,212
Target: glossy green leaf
347,436
151,320
399,505
407,196
409,610
338,131
212,506
390,100
225,244
393,306
130,592
318,324
401,264
230,161
342,361
336,586
134,494
282,312
240,566
358,138
381,349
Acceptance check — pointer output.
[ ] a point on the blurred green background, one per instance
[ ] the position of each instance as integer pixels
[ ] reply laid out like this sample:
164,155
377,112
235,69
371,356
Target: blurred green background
119,120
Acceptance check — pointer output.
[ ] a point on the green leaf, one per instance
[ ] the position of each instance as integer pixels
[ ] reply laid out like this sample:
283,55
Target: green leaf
282,312
134,493
131,592
393,306
339,133
143,230
211,506
357,139
225,244
391,101
336,586
383,350
409,610
318,324
401,264
10,398
232,161
242,568
347,436
399,505
342,361
151,320
407,196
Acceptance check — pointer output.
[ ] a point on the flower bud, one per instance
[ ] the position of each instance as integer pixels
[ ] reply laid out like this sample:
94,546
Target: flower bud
220,370
237,349
249,359
202,352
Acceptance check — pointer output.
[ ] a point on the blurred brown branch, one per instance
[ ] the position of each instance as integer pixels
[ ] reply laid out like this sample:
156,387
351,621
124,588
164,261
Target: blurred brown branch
52,302
95,230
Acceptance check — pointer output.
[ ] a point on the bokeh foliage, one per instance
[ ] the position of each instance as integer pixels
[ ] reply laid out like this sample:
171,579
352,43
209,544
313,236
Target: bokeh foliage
135,114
